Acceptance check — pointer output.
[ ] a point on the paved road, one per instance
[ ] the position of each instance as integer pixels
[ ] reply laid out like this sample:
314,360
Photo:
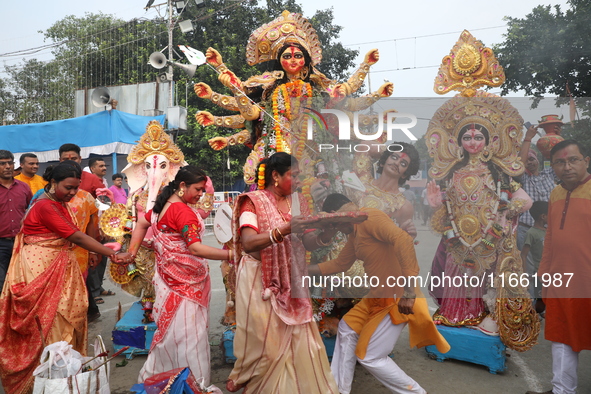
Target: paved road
525,371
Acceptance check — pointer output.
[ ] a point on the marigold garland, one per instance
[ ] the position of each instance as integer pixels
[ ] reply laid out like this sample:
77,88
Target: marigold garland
261,176
282,95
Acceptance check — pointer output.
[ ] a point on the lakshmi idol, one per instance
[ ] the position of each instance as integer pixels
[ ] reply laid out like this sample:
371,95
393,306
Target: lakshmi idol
474,139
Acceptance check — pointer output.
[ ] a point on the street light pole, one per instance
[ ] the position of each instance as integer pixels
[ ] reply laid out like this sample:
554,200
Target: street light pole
170,58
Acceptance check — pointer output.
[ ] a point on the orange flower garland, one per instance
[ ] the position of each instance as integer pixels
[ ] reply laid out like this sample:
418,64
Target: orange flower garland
288,91
261,181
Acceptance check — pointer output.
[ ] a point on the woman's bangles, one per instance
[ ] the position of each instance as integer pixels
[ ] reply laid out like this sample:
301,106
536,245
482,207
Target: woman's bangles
275,236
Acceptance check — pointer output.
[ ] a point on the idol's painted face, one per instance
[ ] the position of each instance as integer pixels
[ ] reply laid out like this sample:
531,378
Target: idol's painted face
396,165
473,141
292,60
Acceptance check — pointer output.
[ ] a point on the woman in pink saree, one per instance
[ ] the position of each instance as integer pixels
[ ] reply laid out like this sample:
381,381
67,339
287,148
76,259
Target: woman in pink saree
181,278
44,280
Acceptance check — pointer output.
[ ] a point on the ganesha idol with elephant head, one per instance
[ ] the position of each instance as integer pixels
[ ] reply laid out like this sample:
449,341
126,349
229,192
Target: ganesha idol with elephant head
153,163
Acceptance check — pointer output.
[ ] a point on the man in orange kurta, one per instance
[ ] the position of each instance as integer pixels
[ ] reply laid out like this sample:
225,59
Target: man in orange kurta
369,331
565,269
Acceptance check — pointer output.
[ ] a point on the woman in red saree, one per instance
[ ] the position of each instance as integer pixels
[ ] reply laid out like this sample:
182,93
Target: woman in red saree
277,343
44,280
181,278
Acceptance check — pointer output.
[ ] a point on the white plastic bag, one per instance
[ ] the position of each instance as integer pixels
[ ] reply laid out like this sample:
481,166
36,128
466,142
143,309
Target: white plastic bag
56,360
59,360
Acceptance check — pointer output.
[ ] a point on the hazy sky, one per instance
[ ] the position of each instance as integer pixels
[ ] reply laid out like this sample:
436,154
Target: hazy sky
412,36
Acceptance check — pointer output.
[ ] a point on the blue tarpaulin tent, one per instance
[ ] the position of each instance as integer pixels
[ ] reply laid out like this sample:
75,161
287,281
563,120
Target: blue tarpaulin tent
102,133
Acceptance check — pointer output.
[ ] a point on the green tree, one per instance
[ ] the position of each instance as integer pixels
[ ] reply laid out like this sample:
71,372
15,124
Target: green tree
90,51
32,88
548,49
421,146
6,102
102,50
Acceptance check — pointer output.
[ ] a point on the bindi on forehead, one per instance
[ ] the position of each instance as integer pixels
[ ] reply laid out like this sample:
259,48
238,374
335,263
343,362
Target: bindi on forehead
562,154
404,156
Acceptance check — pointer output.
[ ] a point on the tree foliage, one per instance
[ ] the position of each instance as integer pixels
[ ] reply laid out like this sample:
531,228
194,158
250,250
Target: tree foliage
421,146
547,50
102,50
90,51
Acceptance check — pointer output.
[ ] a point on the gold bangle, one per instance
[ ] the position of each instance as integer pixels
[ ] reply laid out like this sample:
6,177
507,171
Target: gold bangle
278,237
274,236
281,237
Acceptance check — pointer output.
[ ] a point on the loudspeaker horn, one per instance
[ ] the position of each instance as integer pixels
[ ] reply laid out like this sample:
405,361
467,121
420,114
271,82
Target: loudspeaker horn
189,69
157,60
100,97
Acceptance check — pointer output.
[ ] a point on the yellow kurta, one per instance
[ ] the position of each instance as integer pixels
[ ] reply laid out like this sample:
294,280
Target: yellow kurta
35,182
387,252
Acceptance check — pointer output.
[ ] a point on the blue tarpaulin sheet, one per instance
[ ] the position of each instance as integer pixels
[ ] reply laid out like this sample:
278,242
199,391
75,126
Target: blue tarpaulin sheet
97,129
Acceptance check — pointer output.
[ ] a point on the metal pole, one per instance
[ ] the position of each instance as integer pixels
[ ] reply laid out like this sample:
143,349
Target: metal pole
114,158
170,71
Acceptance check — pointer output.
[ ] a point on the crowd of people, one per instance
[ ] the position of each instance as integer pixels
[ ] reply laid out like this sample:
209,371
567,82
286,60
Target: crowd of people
497,211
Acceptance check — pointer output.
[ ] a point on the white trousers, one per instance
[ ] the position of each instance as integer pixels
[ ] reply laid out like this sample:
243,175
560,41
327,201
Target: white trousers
564,367
376,360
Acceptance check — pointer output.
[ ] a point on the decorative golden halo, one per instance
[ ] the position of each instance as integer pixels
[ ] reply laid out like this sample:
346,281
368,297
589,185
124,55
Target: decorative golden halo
113,220
264,47
495,114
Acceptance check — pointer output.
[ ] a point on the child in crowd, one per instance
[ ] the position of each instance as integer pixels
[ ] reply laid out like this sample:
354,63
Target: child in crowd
531,254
